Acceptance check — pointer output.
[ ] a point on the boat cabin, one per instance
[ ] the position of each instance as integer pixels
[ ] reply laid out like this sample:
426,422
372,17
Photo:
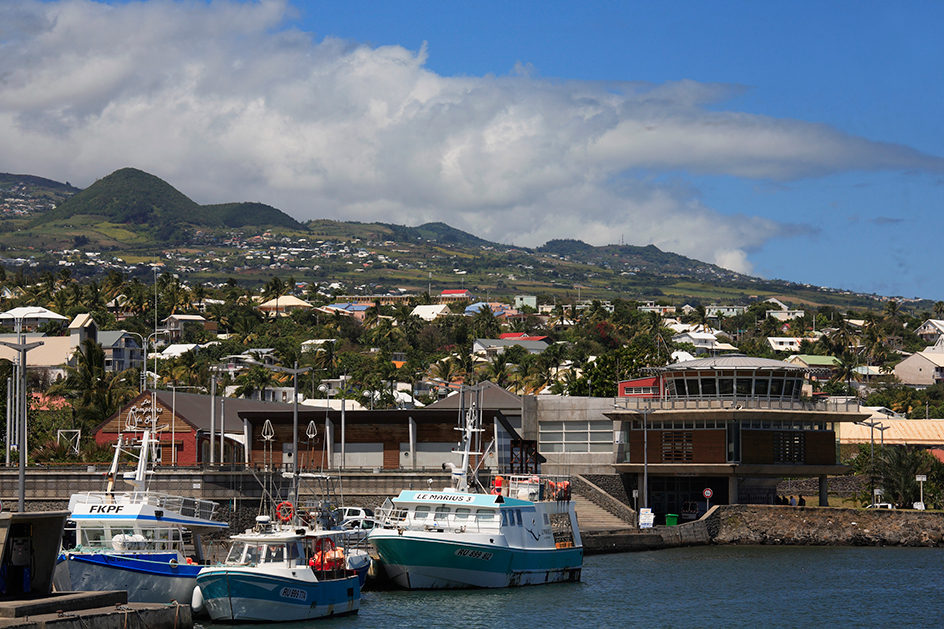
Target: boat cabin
287,553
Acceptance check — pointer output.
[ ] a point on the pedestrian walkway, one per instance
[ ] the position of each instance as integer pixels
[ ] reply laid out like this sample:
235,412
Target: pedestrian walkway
591,517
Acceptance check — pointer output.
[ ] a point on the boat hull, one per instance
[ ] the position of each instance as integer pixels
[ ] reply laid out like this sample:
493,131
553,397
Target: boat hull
417,563
148,578
240,594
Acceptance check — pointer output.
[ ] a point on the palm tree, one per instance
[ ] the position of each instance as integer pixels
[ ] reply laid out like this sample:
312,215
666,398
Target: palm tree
496,370
897,467
446,370
939,309
846,369
100,392
258,378
274,289
485,323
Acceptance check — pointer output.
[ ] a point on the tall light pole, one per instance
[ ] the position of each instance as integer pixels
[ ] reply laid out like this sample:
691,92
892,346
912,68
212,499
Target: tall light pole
295,373
871,423
21,445
155,298
325,388
645,454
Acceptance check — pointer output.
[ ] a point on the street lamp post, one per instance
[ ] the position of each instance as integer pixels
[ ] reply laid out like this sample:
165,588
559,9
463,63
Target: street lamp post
645,455
871,423
326,389
21,347
294,373
881,429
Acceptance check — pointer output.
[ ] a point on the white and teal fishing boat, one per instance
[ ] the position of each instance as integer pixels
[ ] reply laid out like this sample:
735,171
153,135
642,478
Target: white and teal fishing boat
277,573
524,533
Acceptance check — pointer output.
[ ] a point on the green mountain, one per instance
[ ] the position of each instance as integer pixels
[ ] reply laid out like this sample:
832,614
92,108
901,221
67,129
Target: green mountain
134,198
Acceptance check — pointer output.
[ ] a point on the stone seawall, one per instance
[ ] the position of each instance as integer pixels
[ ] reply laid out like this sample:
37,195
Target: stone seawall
815,526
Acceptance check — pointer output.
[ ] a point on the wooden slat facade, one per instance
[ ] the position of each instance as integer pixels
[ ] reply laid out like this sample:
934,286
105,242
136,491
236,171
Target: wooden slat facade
708,446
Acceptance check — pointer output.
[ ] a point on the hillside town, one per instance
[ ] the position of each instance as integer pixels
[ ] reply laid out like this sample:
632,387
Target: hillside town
103,349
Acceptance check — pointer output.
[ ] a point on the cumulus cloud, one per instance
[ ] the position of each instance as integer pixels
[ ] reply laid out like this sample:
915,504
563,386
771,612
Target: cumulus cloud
227,101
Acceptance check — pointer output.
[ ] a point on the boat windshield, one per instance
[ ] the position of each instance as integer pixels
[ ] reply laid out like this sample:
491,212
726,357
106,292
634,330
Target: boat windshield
243,553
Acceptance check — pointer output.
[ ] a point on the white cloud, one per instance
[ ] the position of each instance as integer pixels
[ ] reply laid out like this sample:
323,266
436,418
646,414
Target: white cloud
226,102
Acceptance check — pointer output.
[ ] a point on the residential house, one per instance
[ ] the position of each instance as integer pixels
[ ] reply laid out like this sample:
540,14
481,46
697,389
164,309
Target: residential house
923,369
494,347
431,312
283,306
55,353
530,301
450,296
786,315
498,309
704,342
29,317
716,311
358,311
931,330
122,350
784,343
175,323
651,306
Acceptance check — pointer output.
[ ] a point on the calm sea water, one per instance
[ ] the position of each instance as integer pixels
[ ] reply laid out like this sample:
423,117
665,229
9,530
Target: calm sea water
700,587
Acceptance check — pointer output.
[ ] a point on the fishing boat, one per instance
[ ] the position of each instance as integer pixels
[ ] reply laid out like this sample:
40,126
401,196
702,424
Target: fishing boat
275,572
135,540
523,531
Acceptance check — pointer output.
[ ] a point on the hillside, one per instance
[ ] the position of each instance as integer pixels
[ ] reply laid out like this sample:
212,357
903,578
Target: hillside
128,219
136,199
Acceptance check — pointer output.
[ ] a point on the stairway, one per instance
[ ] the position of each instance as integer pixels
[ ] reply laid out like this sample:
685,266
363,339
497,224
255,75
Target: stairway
591,517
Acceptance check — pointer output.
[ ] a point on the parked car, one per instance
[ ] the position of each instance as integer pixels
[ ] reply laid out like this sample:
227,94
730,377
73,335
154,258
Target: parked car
360,526
344,513
881,505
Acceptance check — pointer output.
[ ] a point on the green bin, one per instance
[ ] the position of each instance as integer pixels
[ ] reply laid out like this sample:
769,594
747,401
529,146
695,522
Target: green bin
671,519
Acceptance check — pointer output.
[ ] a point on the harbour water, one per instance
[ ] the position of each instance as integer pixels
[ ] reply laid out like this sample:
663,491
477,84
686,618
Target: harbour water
703,587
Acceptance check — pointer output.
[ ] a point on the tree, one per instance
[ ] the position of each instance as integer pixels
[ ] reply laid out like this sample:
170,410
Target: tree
896,467
446,370
496,370
100,393
846,370
258,378
485,323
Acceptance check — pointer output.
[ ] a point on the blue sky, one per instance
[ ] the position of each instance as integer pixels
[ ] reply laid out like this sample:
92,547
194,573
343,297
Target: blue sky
788,140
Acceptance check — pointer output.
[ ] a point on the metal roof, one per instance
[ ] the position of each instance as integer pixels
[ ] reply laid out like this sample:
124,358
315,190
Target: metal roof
732,361
916,432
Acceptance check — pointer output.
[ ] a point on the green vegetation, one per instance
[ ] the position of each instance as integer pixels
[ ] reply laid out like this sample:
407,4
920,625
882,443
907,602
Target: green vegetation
145,203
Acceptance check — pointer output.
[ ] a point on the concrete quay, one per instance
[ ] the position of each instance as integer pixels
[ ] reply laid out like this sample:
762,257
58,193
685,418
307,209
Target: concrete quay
762,525
92,610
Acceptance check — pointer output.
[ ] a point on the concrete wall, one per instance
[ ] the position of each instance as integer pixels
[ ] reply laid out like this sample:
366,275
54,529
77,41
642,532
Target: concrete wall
547,408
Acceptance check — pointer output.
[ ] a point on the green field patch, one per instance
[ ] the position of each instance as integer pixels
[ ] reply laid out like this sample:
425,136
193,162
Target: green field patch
119,233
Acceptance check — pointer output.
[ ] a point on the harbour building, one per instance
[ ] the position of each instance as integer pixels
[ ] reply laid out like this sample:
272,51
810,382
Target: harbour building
732,425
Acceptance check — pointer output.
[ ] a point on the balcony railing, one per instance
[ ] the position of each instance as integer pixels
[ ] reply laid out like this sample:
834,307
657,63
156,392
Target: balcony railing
733,403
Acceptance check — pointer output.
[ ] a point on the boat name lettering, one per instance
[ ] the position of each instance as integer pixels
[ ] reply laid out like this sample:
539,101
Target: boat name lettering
473,554
293,593
105,508
445,497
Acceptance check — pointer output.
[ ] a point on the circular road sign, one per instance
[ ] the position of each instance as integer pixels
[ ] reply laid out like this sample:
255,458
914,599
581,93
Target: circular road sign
707,493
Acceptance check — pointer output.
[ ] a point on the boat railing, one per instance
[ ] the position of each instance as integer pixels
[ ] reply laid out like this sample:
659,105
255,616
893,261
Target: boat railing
187,507
533,487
